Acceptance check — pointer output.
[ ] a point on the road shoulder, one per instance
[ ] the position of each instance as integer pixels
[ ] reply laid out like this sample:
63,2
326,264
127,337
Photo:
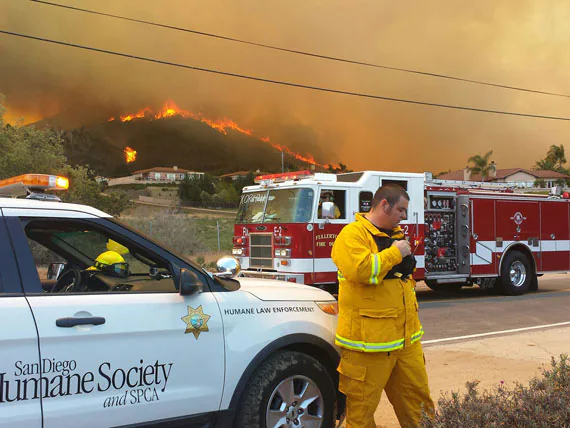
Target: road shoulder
511,358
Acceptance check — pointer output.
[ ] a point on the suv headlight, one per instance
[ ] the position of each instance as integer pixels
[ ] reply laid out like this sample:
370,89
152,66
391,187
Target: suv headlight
330,308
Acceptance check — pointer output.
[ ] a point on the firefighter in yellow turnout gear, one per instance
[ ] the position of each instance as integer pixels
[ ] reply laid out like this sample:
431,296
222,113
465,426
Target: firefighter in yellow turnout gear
379,329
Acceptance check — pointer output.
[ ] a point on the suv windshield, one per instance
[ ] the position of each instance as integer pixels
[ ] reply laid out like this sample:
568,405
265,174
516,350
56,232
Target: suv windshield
276,206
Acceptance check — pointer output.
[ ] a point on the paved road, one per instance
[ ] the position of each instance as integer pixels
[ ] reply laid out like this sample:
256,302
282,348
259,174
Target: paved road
474,311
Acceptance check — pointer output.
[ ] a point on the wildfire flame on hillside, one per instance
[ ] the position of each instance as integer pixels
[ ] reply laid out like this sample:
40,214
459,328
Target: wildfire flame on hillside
130,154
170,109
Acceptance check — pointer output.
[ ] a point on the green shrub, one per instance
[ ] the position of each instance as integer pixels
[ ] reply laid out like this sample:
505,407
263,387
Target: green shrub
545,402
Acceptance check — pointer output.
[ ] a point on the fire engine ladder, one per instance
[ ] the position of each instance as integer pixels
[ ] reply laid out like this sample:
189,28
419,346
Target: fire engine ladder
478,185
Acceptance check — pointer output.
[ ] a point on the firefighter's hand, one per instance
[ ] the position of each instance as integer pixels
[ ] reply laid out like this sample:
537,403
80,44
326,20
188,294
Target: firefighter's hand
404,247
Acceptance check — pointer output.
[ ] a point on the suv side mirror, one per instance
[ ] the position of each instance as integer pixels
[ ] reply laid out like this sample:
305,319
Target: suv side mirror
190,283
227,267
55,270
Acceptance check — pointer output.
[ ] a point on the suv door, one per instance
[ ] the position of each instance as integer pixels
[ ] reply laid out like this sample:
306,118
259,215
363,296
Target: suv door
133,352
20,393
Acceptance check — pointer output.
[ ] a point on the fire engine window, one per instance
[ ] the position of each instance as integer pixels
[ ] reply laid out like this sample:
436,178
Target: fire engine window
276,206
251,207
401,183
72,256
365,201
337,197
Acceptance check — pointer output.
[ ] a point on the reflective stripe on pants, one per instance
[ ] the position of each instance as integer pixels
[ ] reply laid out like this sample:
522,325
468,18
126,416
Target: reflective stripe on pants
402,374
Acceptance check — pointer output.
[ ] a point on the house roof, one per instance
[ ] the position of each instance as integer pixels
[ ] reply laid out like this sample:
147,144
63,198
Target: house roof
504,173
241,174
161,169
235,174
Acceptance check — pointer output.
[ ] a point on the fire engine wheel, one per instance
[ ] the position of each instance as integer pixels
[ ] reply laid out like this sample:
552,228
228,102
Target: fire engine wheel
431,284
516,274
290,389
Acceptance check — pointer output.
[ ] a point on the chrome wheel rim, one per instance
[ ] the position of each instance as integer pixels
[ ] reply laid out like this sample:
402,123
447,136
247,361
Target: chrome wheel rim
517,274
296,402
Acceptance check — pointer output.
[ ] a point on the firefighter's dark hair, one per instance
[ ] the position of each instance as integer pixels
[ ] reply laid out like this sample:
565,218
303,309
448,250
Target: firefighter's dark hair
391,192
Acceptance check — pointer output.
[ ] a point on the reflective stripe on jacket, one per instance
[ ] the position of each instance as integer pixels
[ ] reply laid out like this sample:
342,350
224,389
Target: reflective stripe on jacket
375,314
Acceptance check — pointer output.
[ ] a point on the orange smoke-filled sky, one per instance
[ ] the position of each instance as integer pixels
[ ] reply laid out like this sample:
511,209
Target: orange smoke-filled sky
517,43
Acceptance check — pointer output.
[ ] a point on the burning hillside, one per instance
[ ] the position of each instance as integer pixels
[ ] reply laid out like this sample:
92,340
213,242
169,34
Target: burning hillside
170,109
173,136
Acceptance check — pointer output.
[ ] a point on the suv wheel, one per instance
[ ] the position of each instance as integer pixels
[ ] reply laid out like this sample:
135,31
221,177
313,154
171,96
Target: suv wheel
290,389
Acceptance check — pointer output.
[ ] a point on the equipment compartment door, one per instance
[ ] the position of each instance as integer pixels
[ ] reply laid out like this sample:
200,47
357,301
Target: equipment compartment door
519,221
554,235
463,233
483,243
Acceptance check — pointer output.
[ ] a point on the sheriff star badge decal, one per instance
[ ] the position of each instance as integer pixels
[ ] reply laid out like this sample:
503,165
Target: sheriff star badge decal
196,321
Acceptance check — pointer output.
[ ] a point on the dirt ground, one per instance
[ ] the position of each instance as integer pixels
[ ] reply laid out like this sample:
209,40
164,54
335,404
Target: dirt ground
509,358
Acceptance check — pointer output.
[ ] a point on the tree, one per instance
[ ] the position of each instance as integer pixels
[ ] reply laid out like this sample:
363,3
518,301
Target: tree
83,189
25,149
340,169
544,165
241,182
189,190
554,160
556,155
481,164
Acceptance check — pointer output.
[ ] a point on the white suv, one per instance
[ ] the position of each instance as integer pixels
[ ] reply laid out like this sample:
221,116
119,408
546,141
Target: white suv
122,331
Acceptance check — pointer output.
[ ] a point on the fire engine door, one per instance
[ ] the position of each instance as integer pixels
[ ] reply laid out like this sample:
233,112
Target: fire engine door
325,232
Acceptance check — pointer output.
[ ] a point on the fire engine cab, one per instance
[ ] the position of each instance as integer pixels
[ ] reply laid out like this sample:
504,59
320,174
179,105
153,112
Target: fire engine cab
461,233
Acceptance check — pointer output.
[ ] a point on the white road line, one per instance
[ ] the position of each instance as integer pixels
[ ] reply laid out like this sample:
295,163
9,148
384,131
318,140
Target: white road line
494,333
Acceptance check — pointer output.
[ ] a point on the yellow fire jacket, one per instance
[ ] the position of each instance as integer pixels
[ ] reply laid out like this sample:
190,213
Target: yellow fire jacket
375,314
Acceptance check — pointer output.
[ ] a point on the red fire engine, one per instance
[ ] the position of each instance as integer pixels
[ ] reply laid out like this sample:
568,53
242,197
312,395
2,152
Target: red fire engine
461,234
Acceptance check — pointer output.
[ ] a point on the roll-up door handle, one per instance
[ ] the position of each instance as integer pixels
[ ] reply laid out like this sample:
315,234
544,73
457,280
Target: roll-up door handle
72,321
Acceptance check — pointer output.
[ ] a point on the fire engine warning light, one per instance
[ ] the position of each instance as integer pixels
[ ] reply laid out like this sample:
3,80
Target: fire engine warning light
284,176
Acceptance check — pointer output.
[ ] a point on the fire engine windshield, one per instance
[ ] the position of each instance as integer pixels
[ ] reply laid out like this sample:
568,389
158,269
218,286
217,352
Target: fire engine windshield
276,206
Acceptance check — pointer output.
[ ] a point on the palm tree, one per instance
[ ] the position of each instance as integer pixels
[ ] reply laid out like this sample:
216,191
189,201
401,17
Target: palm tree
556,155
481,165
544,165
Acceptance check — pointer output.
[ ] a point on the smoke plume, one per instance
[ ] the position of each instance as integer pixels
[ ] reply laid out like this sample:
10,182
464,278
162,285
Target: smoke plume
522,43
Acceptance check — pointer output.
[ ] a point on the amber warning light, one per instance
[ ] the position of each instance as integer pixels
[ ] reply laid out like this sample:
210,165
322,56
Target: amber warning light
22,185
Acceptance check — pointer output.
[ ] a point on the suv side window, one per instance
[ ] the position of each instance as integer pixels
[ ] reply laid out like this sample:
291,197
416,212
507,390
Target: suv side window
80,257
10,283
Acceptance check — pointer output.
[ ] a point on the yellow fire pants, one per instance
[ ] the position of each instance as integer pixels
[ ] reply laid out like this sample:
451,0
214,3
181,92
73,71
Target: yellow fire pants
402,374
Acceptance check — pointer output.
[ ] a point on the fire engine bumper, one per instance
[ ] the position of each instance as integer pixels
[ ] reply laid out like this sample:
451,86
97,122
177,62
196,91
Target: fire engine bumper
297,278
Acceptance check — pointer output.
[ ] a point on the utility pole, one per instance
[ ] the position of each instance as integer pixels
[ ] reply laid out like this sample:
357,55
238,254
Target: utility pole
282,162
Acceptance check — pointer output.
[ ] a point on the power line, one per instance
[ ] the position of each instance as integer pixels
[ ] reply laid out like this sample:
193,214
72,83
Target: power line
298,52
279,82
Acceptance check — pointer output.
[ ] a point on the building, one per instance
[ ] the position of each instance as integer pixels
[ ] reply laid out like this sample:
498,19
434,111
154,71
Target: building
233,176
165,174
519,177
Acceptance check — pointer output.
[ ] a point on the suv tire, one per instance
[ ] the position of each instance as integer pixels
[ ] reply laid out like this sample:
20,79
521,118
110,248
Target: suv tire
289,389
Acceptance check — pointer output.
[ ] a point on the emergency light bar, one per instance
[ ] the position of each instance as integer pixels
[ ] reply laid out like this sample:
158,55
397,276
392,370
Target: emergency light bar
284,176
25,184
